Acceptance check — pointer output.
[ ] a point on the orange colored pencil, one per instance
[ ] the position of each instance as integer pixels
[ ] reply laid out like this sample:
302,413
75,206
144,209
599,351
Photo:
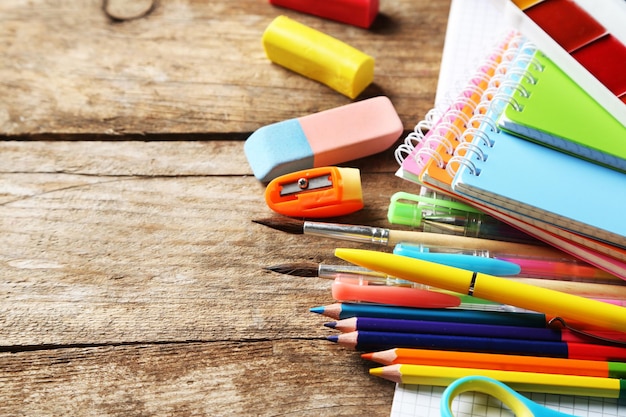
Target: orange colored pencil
499,362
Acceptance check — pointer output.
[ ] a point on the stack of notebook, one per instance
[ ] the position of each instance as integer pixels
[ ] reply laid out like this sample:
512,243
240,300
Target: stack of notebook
530,140
534,135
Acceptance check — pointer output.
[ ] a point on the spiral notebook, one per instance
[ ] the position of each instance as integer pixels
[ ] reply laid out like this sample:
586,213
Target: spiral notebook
600,254
550,108
530,181
430,135
473,23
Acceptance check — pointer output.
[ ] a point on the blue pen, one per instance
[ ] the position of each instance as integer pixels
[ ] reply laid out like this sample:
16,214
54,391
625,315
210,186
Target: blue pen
473,260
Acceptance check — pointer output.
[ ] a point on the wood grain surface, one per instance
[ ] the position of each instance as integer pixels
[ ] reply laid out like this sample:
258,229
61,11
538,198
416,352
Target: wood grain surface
131,274
192,66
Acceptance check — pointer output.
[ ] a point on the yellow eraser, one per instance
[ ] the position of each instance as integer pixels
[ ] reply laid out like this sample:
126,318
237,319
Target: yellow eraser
318,56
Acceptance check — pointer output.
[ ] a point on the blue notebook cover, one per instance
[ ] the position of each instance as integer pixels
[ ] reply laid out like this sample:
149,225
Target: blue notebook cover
544,184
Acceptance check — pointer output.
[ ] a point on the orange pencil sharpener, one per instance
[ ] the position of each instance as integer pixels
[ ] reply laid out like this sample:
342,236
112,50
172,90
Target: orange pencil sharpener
316,192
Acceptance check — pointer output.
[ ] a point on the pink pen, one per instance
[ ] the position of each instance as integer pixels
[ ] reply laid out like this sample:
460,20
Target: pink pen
561,269
351,289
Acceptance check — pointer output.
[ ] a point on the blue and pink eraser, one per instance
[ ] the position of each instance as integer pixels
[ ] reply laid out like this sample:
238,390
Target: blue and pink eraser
330,137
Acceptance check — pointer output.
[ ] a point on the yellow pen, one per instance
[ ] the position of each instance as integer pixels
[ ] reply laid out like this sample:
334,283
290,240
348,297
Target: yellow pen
441,376
488,287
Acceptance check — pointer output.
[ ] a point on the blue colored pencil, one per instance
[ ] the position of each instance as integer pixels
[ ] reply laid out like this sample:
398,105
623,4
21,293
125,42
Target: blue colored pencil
340,311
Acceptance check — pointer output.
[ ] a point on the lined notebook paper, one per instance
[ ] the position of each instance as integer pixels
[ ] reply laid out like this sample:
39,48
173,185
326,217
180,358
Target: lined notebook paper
424,401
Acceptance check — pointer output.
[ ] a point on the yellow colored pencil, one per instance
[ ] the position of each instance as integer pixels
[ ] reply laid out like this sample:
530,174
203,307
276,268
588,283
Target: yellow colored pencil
520,381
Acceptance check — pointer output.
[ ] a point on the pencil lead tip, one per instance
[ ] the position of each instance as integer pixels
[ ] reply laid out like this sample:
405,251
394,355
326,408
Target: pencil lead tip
367,356
331,324
288,225
301,269
318,310
333,338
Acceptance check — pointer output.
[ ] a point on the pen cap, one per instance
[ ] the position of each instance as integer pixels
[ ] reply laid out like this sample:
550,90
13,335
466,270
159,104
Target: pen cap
469,260
410,209
346,289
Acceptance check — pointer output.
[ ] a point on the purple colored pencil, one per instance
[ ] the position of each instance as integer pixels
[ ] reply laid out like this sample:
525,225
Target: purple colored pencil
447,328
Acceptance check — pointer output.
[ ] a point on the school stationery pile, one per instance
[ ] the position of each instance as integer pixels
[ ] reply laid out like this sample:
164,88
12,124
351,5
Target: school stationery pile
524,141
510,145
538,126
425,349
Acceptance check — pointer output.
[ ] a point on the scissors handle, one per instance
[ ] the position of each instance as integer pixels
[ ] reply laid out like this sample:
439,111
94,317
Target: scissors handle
519,405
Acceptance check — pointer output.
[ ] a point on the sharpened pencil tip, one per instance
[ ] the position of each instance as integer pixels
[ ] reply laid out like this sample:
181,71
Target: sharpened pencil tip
333,338
367,356
331,324
376,371
317,310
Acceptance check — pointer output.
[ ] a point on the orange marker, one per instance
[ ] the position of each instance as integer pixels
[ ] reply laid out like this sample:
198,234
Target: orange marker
350,289
499,362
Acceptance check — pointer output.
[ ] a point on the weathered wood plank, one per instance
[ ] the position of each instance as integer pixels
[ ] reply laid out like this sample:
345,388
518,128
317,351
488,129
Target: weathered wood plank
191,66
222,379
99,259
144,293
132,280
146,158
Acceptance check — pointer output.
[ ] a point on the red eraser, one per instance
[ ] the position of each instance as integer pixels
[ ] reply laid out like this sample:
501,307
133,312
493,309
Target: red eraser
353,12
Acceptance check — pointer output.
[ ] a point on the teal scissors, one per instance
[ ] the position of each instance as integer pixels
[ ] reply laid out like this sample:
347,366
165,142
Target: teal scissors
520,405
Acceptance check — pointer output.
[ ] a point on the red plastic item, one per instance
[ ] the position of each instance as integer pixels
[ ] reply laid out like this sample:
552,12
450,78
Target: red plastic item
359,13
605,58
566,22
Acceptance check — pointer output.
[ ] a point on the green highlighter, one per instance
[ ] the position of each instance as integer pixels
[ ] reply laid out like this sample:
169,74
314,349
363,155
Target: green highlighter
447,216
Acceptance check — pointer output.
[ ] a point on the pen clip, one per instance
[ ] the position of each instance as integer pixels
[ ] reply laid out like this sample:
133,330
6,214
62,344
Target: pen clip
584,333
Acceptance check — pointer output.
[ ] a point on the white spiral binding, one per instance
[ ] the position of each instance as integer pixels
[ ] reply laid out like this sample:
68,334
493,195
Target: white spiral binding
446,126
437,139
497,100
437,115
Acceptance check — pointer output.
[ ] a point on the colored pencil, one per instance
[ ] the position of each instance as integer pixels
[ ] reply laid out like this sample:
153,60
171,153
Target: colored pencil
520,381
502,290
340,311
467,329
500,362
373,341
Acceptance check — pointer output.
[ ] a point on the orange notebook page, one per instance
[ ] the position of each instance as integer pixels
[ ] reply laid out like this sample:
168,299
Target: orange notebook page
450,128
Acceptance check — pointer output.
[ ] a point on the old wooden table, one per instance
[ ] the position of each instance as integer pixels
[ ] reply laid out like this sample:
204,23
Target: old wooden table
131,275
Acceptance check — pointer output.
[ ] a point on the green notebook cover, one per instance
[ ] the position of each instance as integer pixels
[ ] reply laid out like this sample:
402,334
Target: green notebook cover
551,109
